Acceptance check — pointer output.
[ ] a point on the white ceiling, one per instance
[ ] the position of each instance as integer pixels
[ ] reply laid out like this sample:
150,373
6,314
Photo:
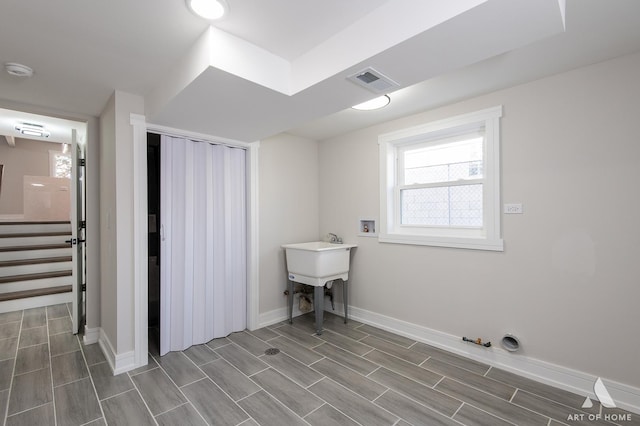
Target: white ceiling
281,65
289,28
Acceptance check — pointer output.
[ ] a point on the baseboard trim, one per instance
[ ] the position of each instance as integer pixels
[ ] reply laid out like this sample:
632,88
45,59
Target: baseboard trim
119,363
625,396
34,302
91,335
278,315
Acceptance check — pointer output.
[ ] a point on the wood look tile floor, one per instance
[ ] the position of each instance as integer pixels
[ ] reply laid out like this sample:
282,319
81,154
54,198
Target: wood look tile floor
353,374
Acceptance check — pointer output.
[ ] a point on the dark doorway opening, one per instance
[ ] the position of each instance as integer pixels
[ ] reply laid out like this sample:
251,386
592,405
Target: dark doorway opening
153,205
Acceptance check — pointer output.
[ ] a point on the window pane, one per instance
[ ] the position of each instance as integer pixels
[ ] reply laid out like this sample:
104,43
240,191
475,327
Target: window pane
444,162
443,206
62,166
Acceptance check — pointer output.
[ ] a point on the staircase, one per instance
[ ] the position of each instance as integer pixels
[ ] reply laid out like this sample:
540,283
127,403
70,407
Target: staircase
35,264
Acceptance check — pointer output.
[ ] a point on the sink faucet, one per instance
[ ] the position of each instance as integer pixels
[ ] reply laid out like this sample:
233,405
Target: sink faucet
333,238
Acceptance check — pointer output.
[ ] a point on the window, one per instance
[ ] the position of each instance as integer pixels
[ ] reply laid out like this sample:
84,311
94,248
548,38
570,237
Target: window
60,164
440,183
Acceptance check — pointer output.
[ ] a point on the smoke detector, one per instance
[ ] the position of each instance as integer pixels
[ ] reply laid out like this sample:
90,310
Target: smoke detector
374,81
18,70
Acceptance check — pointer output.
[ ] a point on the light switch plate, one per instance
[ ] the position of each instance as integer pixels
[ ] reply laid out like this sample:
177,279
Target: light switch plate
513,208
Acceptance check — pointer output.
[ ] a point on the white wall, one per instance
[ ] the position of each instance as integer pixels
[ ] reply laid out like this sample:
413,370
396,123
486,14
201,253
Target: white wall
116,188
109,266
27,158
567,283
288,200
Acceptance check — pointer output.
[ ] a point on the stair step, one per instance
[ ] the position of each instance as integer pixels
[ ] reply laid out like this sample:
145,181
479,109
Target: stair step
35,254
33,227
33,240
35,247
35,268
34,293
21,262
36,276
41,222
35,263
35,234
35,284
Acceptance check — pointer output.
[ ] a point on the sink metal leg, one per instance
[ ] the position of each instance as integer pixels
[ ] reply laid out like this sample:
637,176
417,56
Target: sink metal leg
290,302
329,291
318,302
345,299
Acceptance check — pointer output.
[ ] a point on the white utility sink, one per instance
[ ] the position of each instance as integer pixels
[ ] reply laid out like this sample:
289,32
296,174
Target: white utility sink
316,263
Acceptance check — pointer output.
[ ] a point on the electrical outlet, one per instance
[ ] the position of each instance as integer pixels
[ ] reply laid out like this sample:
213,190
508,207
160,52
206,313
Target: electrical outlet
513,208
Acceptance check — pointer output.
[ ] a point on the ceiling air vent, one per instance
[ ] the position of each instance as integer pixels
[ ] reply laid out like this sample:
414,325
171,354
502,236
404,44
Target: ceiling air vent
374,81
32,129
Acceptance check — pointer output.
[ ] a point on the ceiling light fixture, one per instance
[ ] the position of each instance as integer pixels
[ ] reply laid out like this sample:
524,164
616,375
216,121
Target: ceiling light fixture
18,70
30,129
208,9
375,103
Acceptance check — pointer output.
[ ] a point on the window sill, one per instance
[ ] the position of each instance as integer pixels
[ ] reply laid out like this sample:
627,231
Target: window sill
451,242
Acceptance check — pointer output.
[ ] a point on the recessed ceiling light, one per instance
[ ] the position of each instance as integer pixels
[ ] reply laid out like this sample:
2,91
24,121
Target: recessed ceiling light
18,70
375,103
208,9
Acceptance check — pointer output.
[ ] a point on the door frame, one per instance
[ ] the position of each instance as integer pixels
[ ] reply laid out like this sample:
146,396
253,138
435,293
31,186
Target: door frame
78,232
89,125
140,228
86,127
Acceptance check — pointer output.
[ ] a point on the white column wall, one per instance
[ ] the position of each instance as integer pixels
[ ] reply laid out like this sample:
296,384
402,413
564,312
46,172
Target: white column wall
288,212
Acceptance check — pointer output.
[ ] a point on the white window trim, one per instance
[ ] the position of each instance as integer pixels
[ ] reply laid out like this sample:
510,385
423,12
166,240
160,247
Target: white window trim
490,236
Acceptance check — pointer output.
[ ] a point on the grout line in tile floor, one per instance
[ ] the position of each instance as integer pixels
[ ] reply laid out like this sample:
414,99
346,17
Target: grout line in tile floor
395,363
458,409
206,377
13,371
176,385
379,396
53,393
93,386
382,408
454,379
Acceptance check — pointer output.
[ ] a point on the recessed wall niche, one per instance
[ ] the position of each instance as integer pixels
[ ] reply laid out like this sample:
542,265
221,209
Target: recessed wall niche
367,228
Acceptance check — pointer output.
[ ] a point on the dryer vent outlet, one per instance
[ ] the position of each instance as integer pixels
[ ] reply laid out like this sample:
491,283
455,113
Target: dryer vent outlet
374,81
510,342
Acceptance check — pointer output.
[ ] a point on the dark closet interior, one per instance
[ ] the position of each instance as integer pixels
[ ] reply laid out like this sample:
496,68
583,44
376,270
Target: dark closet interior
153,196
